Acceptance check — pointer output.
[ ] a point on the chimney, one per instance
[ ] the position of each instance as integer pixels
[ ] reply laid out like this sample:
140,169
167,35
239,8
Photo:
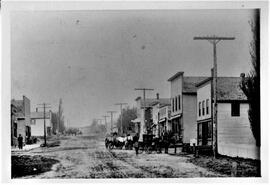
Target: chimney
242,75
157,96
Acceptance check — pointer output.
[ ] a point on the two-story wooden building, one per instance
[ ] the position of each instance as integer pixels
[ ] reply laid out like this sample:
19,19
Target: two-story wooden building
183,106
234,136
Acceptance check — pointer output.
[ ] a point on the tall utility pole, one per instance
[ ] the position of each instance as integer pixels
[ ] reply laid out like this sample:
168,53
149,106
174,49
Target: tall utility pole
121,111
106,121
112,112
214,40
143,89
44,106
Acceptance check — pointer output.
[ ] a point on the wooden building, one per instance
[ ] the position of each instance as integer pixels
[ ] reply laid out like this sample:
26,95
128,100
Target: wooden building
183,106
234,136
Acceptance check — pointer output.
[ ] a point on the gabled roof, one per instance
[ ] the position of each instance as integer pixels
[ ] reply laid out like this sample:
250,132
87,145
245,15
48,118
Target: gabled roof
189,83
40,115
228,88
176,75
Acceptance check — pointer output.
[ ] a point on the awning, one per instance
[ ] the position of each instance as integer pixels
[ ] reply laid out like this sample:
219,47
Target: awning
137,120
162,120
176,116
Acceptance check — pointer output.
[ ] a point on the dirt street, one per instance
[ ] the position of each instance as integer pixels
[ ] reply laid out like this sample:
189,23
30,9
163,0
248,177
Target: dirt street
86,157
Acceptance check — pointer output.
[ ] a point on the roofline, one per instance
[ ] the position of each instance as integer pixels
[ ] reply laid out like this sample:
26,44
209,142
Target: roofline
175,75
203,82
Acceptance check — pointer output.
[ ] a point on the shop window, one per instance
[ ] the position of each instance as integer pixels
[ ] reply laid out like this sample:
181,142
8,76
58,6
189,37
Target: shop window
209,129
235,109
200,131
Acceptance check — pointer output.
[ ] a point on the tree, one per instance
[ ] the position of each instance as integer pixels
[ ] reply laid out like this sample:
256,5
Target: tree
54,122
250,83
128,115
60,124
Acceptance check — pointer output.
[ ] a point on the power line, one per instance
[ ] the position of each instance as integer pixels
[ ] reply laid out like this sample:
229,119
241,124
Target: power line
214,40
45,106
144,105
105,116
121,110
111,112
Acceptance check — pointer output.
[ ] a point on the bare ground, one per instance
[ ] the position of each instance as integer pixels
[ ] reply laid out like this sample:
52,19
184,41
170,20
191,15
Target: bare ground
86,157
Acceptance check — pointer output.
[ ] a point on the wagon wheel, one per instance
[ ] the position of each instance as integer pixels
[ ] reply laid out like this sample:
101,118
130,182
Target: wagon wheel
148,149
141,148
110,146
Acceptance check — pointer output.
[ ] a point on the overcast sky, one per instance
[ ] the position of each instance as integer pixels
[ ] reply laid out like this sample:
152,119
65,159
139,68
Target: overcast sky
94,59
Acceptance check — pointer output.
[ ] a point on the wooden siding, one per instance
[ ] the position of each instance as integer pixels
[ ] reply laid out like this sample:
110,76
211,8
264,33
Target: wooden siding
176,89
235,138
189,118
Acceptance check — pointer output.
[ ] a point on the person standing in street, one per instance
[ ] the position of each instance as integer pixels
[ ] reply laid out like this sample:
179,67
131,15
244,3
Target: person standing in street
20,141
136,143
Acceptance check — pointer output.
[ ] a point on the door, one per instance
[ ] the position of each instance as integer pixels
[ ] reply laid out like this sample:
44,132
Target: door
204,133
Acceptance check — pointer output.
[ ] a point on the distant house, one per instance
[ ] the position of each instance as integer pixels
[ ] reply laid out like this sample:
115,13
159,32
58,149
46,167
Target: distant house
144,112
160,110
20,120
37,123
183,106
234,136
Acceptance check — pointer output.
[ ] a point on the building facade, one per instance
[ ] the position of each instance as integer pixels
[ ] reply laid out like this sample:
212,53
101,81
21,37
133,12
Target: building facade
20,120
183,106
37,123
234,135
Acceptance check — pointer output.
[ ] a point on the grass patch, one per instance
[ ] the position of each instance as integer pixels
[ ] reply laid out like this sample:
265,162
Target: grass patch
223,165
30,165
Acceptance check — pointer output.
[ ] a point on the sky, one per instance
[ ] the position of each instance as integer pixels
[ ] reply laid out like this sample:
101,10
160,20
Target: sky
94,59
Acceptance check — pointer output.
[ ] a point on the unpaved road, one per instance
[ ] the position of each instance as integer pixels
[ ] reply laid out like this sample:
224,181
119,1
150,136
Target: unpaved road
86,157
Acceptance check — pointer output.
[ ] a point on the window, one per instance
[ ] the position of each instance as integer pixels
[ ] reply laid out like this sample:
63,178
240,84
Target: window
209,129
235,109
203,108
175,103
15,130
200,131
207,106
179,102
199,108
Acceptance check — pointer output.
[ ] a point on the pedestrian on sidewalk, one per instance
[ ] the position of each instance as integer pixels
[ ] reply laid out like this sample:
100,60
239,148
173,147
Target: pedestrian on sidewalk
20,141
136,143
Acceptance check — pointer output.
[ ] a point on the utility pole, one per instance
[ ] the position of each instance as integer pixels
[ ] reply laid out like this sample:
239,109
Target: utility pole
144,106
106,122
44,106
112,112
121,126
214,40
